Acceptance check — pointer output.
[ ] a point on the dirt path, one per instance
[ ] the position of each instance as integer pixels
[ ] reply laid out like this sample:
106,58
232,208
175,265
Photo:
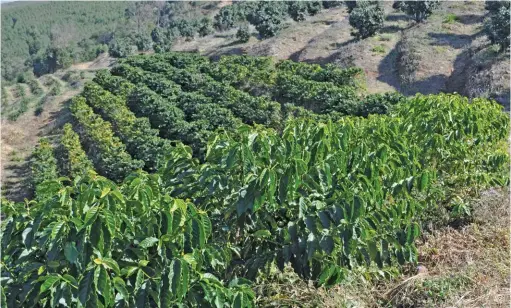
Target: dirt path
19,139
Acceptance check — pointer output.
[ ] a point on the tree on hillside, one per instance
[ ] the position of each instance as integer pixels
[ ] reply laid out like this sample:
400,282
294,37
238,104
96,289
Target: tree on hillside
314,7
120,48
162,39
268,18
497,25
297,10
205,27
350,5
367,18
143,42
418,10
494,6
331,4
243,34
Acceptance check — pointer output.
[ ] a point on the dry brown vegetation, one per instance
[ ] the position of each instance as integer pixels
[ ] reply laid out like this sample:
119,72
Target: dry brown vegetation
467,266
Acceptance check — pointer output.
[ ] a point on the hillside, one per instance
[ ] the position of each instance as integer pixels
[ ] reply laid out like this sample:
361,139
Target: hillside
256,155
449,51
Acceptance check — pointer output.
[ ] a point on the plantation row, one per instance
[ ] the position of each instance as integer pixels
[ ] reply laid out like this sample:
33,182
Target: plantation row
324,197
174,95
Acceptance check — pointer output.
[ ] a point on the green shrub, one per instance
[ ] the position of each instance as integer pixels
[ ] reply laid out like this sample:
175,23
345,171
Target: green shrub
120,48
243,34
497,26
298,10
408,59
419,10
268,18
367,18
143,42
450,18
378,49
205,27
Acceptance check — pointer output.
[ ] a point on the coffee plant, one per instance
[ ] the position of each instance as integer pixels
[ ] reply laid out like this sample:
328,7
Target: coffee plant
181,181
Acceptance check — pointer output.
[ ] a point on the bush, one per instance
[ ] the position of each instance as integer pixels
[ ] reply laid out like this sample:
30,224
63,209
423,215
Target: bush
205,27
226,18
408,59
331,4
120,48
419,10
297,10
494,6
268,18
496,27
367,18
101,49
451,18
162,40
243,34
143,42
313,7
350,5
186,28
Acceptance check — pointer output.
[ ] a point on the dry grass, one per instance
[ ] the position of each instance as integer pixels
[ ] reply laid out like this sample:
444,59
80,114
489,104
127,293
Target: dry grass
466,267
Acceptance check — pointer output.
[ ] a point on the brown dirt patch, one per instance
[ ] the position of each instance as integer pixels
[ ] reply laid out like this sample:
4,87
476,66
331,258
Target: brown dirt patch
19,139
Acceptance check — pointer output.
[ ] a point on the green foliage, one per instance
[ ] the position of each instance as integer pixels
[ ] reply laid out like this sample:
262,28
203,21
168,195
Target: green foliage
278,193
186,28
35,87
43,25
72,159
143,42
380,103
142,142
419,10
367,18
99,244
22,108
120,48
497,26
320,97
56,89
244,106
243,34
314,7
323,192
268,18
105,150
297,10
205,27
450,18
162,40
44,168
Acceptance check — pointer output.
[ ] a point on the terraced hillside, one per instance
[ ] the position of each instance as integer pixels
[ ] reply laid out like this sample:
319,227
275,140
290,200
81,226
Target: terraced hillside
185,181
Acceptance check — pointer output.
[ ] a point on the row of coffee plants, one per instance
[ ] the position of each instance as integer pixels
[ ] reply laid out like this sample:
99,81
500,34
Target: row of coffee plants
98,245
187,116
324,197
329,197
248,108
73,160
323,90
142,141
105,150
43,167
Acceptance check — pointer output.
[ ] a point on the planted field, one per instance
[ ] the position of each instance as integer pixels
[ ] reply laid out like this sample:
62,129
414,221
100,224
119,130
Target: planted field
185,181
